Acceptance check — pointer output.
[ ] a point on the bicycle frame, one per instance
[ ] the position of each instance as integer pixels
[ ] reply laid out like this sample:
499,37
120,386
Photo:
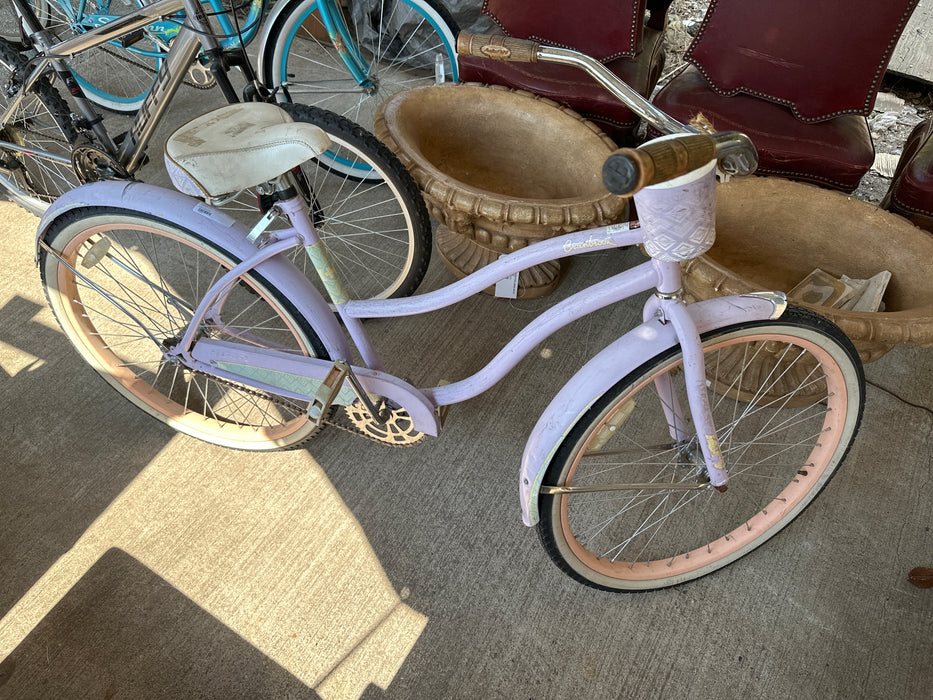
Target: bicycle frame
668,322
163,32
188,41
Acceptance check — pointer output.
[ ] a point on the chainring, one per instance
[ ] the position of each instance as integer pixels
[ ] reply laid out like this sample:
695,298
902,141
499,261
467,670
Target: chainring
200,77
398,430
91,164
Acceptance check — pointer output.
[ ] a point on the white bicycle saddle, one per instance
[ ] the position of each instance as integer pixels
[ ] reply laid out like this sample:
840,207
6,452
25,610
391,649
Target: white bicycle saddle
239,146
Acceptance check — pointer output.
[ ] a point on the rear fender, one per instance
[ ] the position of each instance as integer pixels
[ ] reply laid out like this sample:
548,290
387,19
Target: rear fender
217,227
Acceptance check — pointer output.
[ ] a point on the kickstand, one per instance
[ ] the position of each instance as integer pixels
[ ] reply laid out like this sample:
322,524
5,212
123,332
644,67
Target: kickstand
330,388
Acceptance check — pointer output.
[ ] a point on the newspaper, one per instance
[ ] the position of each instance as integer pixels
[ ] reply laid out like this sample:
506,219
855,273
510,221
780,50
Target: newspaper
823,289
870,294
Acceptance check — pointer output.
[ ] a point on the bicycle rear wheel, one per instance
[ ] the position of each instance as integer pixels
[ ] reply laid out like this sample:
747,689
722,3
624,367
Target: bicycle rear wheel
787,397
41,123
401,43
140,279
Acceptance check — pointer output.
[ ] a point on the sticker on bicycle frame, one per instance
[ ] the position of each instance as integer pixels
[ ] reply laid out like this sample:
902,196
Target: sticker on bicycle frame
713,444
507,288
591,242
218,217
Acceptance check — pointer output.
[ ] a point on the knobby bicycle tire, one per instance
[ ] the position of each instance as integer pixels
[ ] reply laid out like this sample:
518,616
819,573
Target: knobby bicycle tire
41,122
376,229
296,52
142,276
787,398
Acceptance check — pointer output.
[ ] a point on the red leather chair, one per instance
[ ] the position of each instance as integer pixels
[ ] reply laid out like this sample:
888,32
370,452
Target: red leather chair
798,76
911,191
616,32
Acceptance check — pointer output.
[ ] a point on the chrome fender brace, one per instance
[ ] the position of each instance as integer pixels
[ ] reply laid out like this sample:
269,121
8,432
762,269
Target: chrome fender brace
612,364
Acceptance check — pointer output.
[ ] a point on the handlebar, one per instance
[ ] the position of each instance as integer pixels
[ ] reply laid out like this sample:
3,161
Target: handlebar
629,169
502,48
735,151
498,47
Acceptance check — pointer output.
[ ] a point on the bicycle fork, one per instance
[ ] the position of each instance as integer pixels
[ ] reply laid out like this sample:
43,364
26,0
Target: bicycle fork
678,220
670,308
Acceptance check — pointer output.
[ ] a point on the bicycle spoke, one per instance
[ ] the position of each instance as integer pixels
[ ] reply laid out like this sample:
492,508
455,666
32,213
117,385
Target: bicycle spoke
773,403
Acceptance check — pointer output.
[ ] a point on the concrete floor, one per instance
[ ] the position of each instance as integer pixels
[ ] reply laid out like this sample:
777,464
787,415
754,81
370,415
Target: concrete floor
135,562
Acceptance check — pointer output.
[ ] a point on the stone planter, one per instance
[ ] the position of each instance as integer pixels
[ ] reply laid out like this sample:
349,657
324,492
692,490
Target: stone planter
500,169
771,233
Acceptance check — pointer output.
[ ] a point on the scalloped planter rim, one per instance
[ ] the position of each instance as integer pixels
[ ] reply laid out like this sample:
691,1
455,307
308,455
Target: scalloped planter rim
771,233
500,168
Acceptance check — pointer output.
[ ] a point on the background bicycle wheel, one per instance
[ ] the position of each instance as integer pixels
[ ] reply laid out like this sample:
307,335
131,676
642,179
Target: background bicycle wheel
376,229
405,43
114,76
9,22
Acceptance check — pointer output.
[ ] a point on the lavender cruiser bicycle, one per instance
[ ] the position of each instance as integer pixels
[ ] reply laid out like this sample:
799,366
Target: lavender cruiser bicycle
683,445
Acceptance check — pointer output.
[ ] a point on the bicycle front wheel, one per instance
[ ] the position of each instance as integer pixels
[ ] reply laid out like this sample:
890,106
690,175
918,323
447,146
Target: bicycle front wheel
140,279
787,398
40,169
383,46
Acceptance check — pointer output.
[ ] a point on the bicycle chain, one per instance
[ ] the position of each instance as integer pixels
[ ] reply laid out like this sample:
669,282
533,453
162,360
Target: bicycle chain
45,136
285,403
126,59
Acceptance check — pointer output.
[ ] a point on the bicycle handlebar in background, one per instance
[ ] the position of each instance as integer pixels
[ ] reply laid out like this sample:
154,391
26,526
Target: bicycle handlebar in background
735,151
497,47
502,48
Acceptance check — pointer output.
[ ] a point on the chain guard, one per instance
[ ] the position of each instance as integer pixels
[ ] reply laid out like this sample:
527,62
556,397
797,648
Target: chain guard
397,432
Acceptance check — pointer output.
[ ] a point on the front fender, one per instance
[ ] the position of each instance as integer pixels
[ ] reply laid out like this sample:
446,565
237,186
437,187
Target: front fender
217,227
265,29
612,364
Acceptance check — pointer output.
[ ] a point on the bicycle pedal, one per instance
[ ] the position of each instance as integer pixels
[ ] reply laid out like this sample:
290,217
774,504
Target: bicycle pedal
328,391
127,40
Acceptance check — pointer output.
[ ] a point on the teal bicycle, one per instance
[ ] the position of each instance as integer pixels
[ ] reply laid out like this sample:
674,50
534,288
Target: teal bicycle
344,59
349,61
378,226
119,74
